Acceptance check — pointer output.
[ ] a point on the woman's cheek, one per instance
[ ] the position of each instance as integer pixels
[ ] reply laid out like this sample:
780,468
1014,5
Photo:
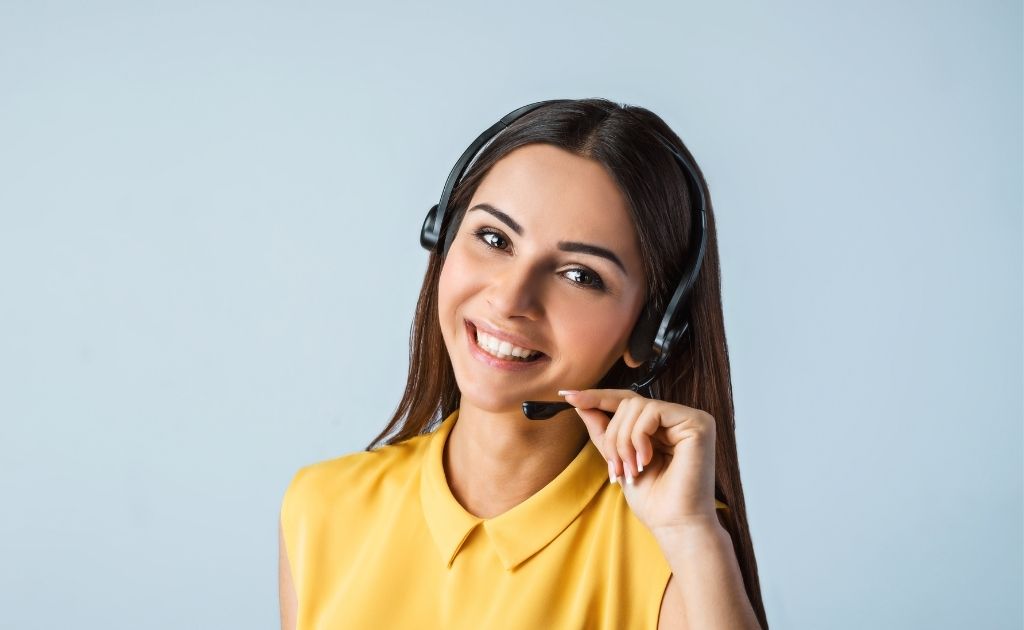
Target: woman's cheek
453,276
591,325
598,333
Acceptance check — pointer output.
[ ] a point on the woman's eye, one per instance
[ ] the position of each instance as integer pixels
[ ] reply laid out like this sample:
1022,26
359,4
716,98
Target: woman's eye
584,278
493,239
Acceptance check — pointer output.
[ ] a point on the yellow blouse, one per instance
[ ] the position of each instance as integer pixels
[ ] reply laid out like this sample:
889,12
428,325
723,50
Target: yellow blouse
375,539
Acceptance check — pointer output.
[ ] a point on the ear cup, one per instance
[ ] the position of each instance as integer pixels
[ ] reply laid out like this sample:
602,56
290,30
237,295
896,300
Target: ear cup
428,235
641,340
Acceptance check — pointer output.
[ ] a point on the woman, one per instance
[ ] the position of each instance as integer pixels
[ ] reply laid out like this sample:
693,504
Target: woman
563,241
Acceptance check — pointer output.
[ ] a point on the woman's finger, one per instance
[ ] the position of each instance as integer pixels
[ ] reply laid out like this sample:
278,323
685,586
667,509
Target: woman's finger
597,423
612,436
646,425
608,448
620,442
606,399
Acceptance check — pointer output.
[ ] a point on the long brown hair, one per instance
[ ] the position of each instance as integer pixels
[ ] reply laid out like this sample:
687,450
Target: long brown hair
620,138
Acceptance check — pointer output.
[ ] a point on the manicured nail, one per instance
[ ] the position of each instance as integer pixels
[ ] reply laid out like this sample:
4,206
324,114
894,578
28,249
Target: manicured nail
629,479
639,467
566,392
611,473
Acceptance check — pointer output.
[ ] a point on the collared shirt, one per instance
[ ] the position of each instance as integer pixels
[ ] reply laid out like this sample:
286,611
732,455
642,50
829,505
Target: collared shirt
375,539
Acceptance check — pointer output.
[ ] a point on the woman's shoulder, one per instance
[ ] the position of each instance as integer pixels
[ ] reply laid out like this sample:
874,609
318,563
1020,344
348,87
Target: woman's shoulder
352,475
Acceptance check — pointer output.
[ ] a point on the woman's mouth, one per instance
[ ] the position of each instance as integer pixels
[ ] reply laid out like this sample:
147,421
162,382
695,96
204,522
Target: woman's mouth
500,353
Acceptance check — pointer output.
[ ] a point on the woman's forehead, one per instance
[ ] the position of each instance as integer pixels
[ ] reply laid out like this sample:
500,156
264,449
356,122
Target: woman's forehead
558,194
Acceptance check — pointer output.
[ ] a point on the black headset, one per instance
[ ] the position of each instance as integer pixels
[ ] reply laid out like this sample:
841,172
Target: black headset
652,339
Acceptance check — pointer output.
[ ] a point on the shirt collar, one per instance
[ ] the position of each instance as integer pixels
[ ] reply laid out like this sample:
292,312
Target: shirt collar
521,531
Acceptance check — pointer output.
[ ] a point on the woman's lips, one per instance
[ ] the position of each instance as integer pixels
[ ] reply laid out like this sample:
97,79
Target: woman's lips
504,364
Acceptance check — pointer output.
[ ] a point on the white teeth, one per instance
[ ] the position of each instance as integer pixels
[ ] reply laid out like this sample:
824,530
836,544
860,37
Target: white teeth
502,349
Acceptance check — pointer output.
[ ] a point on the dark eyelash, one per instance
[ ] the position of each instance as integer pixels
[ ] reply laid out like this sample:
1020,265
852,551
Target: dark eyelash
482,231
597,285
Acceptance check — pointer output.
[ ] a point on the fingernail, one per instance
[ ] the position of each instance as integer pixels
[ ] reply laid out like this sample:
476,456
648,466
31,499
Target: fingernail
566,392
639,467
629,479
611,473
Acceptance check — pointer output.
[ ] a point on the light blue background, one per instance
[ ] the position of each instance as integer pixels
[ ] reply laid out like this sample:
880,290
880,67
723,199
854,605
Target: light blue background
209,258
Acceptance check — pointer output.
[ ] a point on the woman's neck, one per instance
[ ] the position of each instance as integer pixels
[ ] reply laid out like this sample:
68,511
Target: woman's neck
495,461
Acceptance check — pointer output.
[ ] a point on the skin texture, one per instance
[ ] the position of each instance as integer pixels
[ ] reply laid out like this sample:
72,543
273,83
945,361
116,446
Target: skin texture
524,284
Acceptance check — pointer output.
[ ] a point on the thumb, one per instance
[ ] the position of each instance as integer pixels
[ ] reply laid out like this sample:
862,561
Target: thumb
596,422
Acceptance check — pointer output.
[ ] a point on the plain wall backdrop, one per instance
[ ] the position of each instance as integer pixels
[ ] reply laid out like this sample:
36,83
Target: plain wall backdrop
209,259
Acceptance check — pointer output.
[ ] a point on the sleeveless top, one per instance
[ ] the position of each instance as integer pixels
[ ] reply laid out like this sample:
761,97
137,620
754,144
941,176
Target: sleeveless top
375,539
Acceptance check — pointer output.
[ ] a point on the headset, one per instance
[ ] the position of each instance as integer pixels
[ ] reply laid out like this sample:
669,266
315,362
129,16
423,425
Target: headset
653,339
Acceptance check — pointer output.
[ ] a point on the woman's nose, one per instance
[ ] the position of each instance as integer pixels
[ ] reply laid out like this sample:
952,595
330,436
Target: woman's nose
516,292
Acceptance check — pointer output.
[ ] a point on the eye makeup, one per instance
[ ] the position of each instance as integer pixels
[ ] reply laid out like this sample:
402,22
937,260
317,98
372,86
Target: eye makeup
484,235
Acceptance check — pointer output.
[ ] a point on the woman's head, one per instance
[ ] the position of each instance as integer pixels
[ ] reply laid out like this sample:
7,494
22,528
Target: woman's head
546,256
584,172
628,171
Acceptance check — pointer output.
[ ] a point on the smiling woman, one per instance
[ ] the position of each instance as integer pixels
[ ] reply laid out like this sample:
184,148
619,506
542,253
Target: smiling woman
567,231
531,275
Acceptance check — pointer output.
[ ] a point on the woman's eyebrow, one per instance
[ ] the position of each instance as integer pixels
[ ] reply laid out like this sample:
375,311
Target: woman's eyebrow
501,216
593,250
565,246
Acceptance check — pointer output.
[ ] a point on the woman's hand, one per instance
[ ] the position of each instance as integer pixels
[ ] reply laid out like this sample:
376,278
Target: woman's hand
673,443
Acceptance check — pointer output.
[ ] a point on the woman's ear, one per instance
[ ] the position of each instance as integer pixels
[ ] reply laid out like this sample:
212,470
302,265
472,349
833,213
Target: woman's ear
639,348
628,359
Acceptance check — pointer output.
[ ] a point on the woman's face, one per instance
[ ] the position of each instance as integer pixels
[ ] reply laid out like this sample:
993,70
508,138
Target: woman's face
533,269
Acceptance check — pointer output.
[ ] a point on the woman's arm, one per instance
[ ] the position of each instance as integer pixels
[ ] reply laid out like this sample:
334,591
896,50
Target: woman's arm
708,575
285,587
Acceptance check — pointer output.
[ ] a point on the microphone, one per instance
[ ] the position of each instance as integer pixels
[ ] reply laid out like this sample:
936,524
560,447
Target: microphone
542,409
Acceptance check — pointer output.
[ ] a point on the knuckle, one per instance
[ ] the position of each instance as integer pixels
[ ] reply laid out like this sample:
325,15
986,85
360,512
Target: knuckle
704,430
624,438
707,421
638,437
